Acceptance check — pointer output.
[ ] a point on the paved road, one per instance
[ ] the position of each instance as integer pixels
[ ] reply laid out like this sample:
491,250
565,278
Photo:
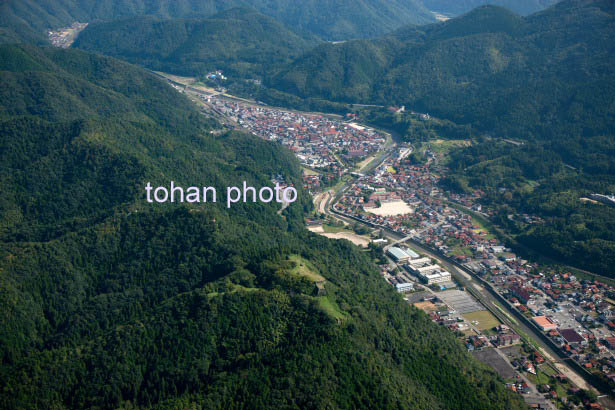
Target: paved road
397,242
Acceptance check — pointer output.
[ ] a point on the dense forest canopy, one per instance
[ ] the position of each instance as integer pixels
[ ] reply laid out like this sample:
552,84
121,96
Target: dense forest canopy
107,301
331,20
239,41
29,20
537,178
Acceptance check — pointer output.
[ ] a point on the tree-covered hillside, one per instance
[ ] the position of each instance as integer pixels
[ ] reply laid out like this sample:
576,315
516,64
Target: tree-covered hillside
107,301
242,42
551,179
541,76
331,20
29,20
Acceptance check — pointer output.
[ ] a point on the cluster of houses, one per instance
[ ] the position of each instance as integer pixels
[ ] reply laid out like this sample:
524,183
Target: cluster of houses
321,143
411,184
520,387
316,181
379,197
505,337
433,219
440,224
317,140
437,220
64,37
577,315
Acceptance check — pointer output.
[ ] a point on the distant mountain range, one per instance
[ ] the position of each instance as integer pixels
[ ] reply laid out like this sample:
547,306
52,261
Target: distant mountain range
541,75
458,7
331,20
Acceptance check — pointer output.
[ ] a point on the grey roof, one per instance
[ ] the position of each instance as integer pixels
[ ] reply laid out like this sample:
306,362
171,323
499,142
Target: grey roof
398,253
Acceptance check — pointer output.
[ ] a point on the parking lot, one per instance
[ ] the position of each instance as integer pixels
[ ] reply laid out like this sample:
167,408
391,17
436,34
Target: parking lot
493,359
461,301
415,297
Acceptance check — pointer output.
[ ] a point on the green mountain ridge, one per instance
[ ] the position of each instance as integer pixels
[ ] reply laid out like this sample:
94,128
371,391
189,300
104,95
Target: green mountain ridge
331,20
499,72
109,302
242,42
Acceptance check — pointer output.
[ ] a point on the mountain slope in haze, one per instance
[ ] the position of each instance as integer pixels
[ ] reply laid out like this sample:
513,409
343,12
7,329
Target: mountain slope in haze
242,42
107,301
458,7
541,75
331,20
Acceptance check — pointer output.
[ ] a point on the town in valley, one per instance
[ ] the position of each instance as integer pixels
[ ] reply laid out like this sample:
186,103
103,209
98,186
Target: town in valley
548,333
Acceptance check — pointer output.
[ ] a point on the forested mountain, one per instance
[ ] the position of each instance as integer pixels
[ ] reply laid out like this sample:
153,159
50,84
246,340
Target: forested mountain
240,41
331,20
108,301
539,76
458,7
29,20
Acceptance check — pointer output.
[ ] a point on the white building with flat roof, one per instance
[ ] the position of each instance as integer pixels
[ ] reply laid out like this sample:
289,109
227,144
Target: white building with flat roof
417,263
404,287
427,269
413,255
431,274
435,277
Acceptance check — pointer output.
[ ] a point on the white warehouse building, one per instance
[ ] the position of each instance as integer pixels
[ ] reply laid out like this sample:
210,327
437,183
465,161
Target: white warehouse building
431,274
401,255
435,277
418,263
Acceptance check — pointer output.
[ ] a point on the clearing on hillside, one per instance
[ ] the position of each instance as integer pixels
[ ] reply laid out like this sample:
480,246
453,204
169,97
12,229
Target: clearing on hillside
304,268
